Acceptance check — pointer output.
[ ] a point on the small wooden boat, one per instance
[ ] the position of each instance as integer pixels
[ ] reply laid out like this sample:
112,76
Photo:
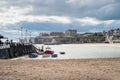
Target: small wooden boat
45,55
49,51
33,55
54,55
62,52
40,52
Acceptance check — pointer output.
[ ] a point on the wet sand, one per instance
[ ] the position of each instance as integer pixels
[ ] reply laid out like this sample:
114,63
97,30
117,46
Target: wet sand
71,69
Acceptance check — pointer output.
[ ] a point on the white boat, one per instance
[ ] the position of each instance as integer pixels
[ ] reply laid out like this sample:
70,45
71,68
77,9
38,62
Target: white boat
46,55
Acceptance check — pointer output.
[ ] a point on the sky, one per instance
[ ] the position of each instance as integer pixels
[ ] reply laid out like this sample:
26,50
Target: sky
37,16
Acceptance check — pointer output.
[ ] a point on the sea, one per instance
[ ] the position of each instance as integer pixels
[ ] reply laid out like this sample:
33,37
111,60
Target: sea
80,51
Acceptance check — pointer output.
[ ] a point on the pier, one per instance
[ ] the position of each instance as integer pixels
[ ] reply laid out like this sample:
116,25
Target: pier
15,50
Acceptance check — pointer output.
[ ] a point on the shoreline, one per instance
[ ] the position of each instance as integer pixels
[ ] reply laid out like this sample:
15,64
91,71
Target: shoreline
88,44
27,58
54,59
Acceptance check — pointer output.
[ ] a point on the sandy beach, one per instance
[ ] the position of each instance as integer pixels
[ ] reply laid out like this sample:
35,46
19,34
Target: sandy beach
69,69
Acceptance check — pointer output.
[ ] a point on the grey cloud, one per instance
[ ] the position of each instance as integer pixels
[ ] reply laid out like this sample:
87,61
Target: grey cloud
91,8
100,9
110,12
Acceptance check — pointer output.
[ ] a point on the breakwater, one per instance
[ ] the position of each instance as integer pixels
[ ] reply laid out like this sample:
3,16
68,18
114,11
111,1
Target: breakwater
15,50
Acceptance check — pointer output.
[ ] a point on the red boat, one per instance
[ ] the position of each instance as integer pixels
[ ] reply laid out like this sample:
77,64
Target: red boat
48,51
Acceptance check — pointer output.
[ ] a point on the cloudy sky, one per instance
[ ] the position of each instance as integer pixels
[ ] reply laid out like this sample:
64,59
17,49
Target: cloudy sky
57,15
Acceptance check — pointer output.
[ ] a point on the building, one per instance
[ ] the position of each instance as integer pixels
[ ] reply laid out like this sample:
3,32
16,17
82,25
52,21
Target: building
44,35
71,33
57,34
42,40
71,36
86,34
114,32
66,40
56,37
114,35
91,38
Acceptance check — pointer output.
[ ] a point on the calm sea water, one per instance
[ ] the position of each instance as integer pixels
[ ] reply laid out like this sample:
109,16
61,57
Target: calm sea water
76,51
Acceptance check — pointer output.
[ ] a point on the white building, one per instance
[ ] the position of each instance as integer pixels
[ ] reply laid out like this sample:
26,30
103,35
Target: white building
71,33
